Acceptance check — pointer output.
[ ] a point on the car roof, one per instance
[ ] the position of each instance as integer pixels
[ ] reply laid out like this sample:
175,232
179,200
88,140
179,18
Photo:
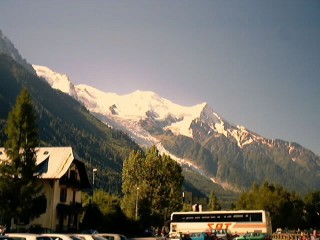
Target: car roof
23,234
60,235
109,234
113,235
55,234
27,236
83,235
5,237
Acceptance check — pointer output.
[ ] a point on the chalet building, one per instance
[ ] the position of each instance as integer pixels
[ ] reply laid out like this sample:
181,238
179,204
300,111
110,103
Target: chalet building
63,176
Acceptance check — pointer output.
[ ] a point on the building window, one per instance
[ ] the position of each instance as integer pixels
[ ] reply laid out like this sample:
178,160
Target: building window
63,195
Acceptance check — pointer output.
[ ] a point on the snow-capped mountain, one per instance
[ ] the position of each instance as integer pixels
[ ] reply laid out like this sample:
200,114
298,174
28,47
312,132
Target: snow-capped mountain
129,109
197,137
138,106
56,80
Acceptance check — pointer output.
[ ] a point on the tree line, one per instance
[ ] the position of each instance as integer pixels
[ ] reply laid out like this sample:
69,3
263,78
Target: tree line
152,186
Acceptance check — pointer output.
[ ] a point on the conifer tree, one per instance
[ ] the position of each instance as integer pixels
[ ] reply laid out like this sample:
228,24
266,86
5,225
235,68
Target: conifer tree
214,203
20,192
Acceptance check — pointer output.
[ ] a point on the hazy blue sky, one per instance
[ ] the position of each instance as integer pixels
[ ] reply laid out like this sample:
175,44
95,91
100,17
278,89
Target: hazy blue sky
257,63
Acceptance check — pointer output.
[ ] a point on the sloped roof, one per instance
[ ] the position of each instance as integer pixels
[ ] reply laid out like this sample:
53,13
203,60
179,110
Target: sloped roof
59,160
53,162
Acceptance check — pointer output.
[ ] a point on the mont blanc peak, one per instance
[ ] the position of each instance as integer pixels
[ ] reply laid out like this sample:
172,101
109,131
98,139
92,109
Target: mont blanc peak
129,111
136,105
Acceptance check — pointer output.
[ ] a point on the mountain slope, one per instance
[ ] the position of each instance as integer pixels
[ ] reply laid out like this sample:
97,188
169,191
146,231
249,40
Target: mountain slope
201,140
215,154
63,122
8,48
56,80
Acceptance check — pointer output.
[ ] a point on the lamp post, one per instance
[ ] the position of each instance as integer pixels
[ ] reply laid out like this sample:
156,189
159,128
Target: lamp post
137,199
182,197
93,173
94,170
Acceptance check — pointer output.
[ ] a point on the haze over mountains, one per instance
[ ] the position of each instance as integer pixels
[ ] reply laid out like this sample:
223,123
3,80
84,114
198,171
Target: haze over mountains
62,121
196,136
138,105
212,151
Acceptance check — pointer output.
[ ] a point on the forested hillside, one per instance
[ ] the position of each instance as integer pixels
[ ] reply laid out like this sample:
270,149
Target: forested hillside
65,122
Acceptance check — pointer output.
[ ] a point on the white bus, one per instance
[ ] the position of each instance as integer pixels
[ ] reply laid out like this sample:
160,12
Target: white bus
235,222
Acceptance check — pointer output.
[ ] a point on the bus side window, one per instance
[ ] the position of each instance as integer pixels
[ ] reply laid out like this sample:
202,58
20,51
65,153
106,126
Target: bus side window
256,217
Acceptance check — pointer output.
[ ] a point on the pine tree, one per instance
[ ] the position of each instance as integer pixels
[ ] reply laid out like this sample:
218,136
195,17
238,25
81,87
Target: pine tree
20,192
214,203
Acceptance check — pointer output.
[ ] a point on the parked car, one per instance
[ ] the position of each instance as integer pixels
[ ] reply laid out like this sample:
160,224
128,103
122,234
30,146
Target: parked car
112,236
73,236
27,236
221,234
84,236
58,236
198,236
4,237
253,236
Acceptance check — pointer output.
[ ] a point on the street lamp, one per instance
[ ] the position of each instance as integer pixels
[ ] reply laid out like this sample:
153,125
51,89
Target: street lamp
93,172
137,203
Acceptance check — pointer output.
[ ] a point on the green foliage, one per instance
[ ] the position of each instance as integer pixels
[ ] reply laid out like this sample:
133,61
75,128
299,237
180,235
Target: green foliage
21,127
233,174
108,204
20,192
285,208
92,217
214,203
103,212
312,208
186,207
152,186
